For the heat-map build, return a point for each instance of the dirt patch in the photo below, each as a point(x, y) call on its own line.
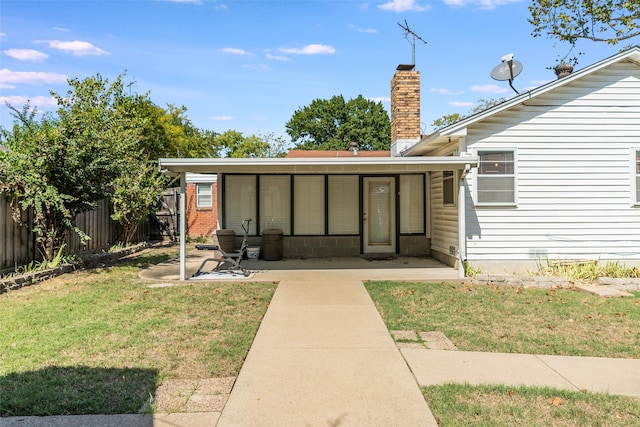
point(434, 340)
point(193, 395)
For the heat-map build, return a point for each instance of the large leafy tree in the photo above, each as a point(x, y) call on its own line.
point(63, 164)
point(235, 145)
point(332, 124)
point(609, 21)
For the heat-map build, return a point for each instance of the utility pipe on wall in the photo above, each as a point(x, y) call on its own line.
point(183, 227)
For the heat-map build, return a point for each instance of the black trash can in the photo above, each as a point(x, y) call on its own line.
point(272, 244)
point(226, 239)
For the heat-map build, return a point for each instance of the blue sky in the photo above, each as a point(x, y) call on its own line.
point(248, 65)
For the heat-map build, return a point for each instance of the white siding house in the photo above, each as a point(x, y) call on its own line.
point(557, 175)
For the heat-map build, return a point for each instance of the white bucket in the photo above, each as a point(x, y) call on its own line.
point(253, 252)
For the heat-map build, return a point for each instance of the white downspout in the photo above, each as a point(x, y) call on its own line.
point(183, 227)
point(462, 222)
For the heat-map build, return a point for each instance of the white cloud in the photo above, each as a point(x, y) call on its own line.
point(444, 91)
point(234, 51)
point(488, 89)
point(62, 29)
point(278, 57)
point(3, 36)
point(8, 78)
point(311, 49)
point(481, 4)
point(537, 83)
point(382, 99)
point(403, 6)
point(363, 30)
point(462, 104)
point(42, 102)
point(26, 54)
point(76, 47)
point(257, 67)
point(221, 118)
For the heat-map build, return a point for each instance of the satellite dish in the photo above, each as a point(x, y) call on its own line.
point(507, 70)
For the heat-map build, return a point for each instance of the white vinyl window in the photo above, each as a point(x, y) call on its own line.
point(240, 202)
point(203, 195)
point(411, 204)
point(275, 202)
point(344, 203)
point(448, 188)
point(308, 209)
point(496, 177)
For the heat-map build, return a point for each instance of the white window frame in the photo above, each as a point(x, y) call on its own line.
point(204, 195)
point(514, 176)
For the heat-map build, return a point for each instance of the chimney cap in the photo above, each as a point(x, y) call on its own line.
point(406, 67)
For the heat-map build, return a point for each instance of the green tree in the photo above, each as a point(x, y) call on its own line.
point(481, 105)
point(182, 137)
point(609, 21)
point(278, 146)
point(135, 195)
point(446, 120)
point(63, 165)
point(235, 145)
point(332, 124)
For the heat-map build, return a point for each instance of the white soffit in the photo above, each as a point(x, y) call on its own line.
point(340, 165)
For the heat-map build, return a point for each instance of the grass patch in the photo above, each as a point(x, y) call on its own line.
point(457, 405)
point(100, 341)
point(513, 320)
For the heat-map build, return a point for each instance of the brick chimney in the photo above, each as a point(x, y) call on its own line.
point(405, 109)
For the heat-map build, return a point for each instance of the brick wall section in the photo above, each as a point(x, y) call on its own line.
point(201, 221)
point(405, 105)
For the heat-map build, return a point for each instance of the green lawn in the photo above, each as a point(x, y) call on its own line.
point(100, 341)
point(517, 320)
point(456, 405)
point(513, 320)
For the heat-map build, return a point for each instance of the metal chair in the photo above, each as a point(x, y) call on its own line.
point(228, 262)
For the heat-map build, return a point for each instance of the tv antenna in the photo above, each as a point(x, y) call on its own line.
point(508, 69)
point(415, 37)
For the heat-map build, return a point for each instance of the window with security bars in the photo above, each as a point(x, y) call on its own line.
point(496, 178)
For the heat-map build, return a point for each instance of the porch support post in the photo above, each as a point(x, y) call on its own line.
point(183, 227)
point(462, 223)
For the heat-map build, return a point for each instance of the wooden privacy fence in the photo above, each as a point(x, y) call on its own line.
point(17, 243)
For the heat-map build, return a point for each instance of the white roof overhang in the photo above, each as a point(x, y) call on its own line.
point(339, 165)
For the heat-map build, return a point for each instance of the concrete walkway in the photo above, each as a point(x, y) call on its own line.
point(323, 357)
